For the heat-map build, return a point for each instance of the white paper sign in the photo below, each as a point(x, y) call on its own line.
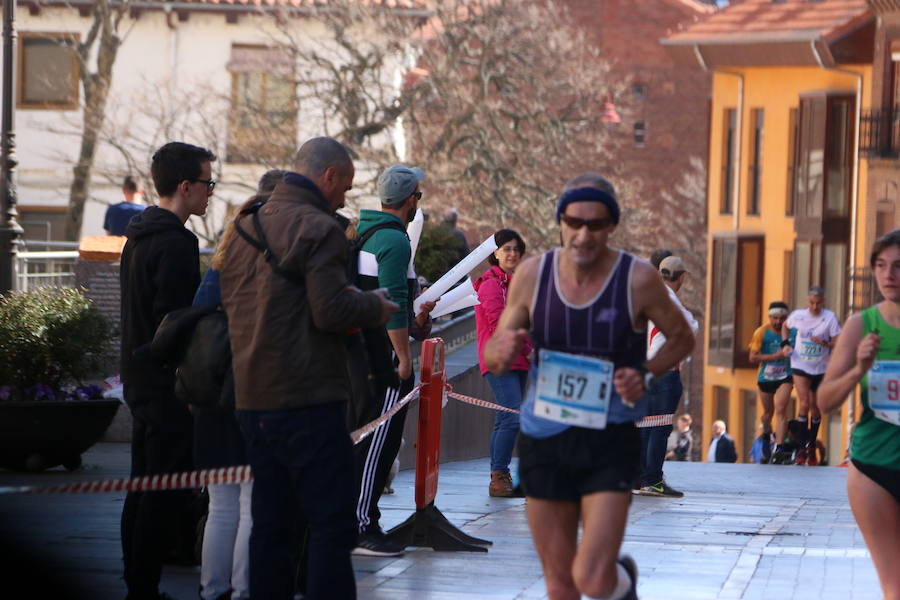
point(453, 296)
point(464, 302)
point(459, 271)
point(414, 231)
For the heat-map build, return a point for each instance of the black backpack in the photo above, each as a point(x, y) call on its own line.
point(195, 341)
point(357, 244)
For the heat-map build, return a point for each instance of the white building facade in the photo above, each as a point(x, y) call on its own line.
point(195, 71)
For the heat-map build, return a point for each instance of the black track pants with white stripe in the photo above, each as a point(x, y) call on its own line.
point(375, 455)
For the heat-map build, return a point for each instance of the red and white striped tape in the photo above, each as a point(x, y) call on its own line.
point(189, 479)
point(148, 483)
point(366, 430)
point(651, 421)
point(242, 474)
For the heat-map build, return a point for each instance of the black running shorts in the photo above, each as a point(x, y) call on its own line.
point(814, 380)
point(580, 461)
point(770, 387)
point(889, 479)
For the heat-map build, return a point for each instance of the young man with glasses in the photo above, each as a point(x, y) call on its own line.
point(585, 307)
point(159, 273)
point(385, 262)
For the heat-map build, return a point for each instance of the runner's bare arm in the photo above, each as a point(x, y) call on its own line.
point(756, 356)
point(844, 369)
point(652, 302)
point(512, 329)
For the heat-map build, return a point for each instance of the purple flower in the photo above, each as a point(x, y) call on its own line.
point(41, 392)
point(5, 392)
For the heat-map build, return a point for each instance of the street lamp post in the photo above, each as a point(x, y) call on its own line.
point(10, 231)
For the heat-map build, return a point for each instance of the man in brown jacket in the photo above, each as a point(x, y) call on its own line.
point(287, 341)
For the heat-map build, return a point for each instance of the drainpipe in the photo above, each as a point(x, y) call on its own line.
point(854, 188)
point(173, 58)
point(739, 126)
point(736, 175)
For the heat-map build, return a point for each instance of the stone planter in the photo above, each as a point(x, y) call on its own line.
point(38, 435)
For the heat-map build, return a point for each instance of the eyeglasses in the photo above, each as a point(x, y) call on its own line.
point(417, 194)
point(591, 224)
point(210, 184)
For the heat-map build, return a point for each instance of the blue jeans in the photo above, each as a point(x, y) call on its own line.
point(662, 399)
point(302, 461)
point(508, 391)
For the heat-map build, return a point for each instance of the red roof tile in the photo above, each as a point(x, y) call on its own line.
point(765, 20)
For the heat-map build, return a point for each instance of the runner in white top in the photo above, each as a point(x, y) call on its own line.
point(817, 330)
point(664, 394)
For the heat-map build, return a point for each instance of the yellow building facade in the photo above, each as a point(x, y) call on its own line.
point(788, 203)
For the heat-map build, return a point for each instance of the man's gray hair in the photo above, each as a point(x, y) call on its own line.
point(816, 291)
point(319, 153)
point(451, 216)
point(594, 180)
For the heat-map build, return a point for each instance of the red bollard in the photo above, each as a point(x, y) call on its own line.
point(428, 439)
point(428, 527)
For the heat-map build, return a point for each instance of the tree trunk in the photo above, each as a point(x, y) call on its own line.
point(103, 32)
point(94, 112)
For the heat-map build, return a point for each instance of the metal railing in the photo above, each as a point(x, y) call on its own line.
point(880, 133)
point(45, 269)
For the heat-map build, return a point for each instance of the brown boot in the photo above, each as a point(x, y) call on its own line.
point(501, 485)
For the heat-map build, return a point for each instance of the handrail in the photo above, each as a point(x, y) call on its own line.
point(48, 254)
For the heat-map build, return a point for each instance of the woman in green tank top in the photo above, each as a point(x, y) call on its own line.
point(868, 354)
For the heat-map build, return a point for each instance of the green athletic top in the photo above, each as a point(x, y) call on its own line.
point(877, 442)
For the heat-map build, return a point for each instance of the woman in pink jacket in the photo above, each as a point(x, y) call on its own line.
point(492, 288)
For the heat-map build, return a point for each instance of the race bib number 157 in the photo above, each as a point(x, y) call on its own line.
point(573, 389)
point(884, 390)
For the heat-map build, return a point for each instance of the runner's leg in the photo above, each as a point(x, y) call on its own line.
point(768, 409)
point(878, 515)
point(782, 397)
point(804, 397)
point(554, 529)
point(604, 515)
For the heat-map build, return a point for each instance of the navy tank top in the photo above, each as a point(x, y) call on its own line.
point(602, 327)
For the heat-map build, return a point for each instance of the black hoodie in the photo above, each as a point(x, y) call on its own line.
point(159, 273)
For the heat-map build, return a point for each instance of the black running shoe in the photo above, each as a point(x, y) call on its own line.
point(660, 489)
point(630, 566)
point(376, 543)
point(779, 455)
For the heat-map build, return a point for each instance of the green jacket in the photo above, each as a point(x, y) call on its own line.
point(384, 261)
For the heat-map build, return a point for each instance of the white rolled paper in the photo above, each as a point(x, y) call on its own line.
point(464, 302)
point(451, 297)
point(414, 230)
point(459, 271)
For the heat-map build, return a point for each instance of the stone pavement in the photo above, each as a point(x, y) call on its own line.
point(741, 531)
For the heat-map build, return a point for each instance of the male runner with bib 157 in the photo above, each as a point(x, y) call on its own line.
point(868, 353)
point(587, 307)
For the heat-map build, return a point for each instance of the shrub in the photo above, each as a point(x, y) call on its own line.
point(437, 253)
point(50, 338)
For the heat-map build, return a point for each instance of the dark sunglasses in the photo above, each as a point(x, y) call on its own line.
point(210, 183)
point(591, 224)
point(417, 195)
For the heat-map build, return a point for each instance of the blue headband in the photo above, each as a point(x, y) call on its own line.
point(588, 194)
